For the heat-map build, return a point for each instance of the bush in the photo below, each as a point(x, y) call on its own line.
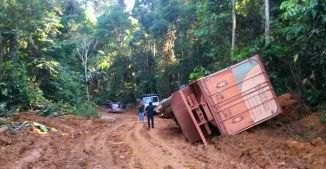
point(86, 110)
point(79, 109)
point(322, 108)
point(17, 90)
point(60, 108)
point(50, 109)
point(323, 118)
point(198, 73)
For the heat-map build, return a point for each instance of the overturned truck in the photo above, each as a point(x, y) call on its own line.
point(232, 100)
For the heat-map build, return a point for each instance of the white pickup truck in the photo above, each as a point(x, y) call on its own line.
point(146, 99)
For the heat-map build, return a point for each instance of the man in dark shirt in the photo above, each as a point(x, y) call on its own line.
point(150, 114)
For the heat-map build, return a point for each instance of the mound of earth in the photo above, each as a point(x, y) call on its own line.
point(295, 139)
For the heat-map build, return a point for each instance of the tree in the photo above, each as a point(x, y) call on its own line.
point(53, 52)
point(234, 25)
point(267, 23)
point(83, 50)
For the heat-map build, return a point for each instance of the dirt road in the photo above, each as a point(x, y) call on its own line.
point(116, 141)
point(119, 141)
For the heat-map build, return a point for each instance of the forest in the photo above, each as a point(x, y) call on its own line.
point(71, 55)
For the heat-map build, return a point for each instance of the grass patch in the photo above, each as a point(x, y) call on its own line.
point(323, 118)
point(86, 110)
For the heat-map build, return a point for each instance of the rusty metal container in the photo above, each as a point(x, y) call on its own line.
point(189, 115)
point(234, 99)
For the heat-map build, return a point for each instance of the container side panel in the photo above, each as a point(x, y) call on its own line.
point(257, 101)
point(238, 123)
point(219, 81)
point(240, 96)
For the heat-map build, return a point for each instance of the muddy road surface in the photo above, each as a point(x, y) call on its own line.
point(113, 142)
point(119, 141)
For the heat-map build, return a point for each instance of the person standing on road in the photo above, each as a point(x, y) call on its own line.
point(141, 109)
point(150, 114)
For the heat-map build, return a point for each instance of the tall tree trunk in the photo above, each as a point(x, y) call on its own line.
point(86, 81)
point(154, 50)
point(83, 52)
point(234, 21)
point(267, 23)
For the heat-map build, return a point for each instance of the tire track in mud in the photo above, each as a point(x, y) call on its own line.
point(150, 152)
point(183, 151)
point(104, 149)
point(189, 159)
point(193, 155)
point(96, 147)
point(142, 154)
point(120, 151)
point(132, 145)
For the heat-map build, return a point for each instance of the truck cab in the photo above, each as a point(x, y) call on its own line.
point(146, 99)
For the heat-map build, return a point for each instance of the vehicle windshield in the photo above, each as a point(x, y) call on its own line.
point(153, 99)
point(146, 100)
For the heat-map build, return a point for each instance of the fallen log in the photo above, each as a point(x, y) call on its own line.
point(164, 108)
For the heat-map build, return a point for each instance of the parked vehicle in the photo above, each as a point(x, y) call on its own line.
point(233, 100)
point(147, 98)
point(115, 107)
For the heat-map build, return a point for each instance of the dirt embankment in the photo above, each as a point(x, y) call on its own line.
point(295, 139)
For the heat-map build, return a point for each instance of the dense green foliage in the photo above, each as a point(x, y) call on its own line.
point(56, 55)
